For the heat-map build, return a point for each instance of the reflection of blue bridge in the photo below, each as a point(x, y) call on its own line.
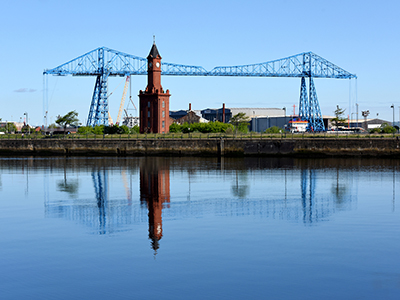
point(107, 216)
point(103, 62)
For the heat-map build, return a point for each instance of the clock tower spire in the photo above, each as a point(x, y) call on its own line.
point(154, 101)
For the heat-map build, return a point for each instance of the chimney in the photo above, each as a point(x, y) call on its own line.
point(223, 112)
point(190, 106)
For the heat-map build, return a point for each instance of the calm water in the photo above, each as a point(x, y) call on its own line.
point(189, 228)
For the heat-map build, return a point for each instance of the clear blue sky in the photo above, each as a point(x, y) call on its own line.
point(362, 37)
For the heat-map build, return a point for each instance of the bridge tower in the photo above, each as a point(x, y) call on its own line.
point(154, 102)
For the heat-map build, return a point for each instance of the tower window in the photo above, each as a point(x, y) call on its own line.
point(163, 114)
point(148, 104)
point(148, 114)
point(163, 104)
point(163, 124)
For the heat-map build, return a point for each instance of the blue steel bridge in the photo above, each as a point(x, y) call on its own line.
point(104, 62)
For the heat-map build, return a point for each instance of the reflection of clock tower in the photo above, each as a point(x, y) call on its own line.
point(154, 102)
point(155, 192)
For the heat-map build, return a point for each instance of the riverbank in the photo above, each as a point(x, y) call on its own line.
point(301, 147)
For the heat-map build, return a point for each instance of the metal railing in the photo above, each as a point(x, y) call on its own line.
point(196, 135)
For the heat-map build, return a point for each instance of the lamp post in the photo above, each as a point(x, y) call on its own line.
point(357, 113)
point(351, 119)
point(392, 107)
point(27, 122)
point(284, 126)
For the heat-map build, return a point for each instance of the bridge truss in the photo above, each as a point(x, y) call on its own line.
point(104, 62)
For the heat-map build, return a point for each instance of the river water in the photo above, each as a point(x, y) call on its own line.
point(199, 228)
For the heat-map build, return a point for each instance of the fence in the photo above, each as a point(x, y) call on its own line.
point(251, 135)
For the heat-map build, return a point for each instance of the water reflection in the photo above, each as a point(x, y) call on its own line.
point(100, 182)
point(110, 195)
point(240, 188)
point(155, 193)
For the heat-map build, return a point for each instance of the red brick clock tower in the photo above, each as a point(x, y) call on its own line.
point(154, 102)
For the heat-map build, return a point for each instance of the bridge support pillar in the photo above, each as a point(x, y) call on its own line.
point(309, 106)
point(98, 113)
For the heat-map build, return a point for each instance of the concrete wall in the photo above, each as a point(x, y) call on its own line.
point(206, 147)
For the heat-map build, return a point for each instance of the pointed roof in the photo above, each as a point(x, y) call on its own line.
point(154, 52)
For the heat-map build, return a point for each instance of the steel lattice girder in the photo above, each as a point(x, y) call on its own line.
point(98, 113)
point(118, 63)
point(309, 109)
point(303, 103)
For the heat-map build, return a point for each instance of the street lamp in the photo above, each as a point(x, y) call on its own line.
point(393, 114)
point(357, 114)
point(351, 119)
point(27, 122)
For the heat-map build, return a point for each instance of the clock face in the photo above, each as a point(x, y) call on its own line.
point(157, 64)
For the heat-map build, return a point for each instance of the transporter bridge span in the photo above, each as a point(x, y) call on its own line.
point(104, 62)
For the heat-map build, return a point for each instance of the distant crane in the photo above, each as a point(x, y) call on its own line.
point(121, 106)
point(110, 120)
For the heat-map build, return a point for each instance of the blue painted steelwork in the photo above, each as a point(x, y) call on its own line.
point(315, 120)
point(104, 62)
point(305, 64)
point(309, 109)
point(98, 113)
point(303, 102)
point(100, 182)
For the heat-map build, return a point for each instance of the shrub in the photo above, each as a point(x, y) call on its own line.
point(175, 128)
point(135, 129)
point(85, 129)
point(210, 127)
point(98, 129)
point(273, 129)
point(388, 129)
point(124, 129)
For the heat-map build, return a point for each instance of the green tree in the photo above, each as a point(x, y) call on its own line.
point(135, 129)
point(85, 129)
point(175, 128)
point(9, 128)
point(98, 129)
point(338, 119)
point(25, 129)
point(124, 129)
point(241, 122)
point(70, 118)
point(273, 129)
point(386, 128)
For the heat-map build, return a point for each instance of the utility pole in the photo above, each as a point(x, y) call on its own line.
point(357, 113)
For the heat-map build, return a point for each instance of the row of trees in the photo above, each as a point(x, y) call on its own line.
point(238, 123)
point(211, 127)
